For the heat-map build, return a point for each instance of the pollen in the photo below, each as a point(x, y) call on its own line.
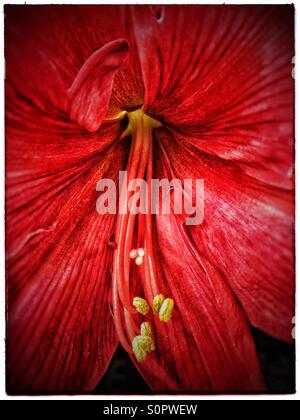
point(143, 342)
point(141, 305)
point(146, 329)
point(141, 345)
point(136, 258)
point(166, 310)
point(133, 254)
point(157, 303)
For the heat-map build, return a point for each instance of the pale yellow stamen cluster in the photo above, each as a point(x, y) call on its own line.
point(143, 344)
point(137, 255)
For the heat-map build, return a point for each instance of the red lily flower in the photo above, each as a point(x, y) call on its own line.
point(208, 94)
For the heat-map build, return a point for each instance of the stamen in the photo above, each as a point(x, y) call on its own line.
point(146, 331)
point(141, 305)
point(131, 227)
point(166, 310)
point(157, 303)
point(132, 328)
point(151, 271)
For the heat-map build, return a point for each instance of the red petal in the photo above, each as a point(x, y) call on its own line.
point(91, 90)
point(46, 46)
point(222, 74)
point(60, 332)
point(207, 345)
point(247, 234)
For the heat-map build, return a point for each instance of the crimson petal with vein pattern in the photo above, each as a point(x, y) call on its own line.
point(247, 233)
point(222, 76)
point(46, 46)
point(61, 332)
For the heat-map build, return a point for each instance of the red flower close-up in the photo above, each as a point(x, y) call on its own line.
point(159, 92)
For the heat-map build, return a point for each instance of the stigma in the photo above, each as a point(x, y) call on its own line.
point(137, 255)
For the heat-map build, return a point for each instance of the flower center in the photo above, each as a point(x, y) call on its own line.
point(127, 308)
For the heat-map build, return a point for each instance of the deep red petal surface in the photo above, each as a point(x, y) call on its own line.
point(223, 76)
point(46, 46)
point(247, 234)
point(60, 330)
point(220, 79)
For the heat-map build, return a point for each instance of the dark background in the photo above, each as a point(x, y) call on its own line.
point(277, 360)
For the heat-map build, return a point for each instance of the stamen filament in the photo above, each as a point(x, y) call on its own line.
point(131, 326)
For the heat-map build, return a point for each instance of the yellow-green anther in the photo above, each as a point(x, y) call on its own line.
point(140, 354)
point(141, 305)
point(146, 329)
point(166, 310)
point(157, 302)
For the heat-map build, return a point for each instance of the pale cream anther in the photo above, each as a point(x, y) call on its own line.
point(141, 252)
point(133, 254)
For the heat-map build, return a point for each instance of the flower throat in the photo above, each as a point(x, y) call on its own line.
point(137, 335)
